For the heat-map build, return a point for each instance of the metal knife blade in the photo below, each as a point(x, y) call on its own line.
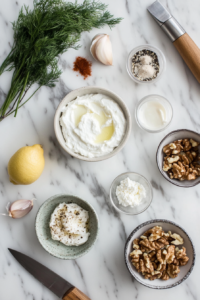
point(166, 21)
point(159, 12)
point(48, 278)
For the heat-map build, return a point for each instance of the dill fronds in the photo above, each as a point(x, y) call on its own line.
point(40, 36)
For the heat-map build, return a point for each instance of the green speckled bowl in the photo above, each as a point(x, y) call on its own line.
point(56, 248)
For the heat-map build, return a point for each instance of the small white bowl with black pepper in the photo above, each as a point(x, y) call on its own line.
point(146, 64)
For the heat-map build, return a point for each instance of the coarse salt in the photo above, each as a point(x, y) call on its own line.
point(146, 71)
point(145, 65)
point(145, 60)
point(130, 193)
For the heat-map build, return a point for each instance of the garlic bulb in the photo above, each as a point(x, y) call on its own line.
point(101, 49)
point(20, 208)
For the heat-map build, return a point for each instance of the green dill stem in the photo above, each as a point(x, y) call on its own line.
point(15, 75)
point(25, 101)
point(11, 96)
point(6, 62)
point(14, 89)
point(19, 99)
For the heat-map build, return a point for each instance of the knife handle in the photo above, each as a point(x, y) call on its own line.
point(190, 53)
point(75, 294)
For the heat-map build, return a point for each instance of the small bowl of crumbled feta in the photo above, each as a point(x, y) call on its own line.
point(66, 226)
point(131, 193)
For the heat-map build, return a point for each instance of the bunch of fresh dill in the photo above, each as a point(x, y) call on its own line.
point(40, 36)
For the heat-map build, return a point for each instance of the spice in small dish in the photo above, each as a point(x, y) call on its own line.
point(130, 193)
point(145, 65)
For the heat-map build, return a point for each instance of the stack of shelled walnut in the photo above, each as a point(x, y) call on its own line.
point(155, 255)
point(181, 159)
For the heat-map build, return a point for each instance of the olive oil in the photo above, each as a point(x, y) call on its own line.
point(105, 135)
point(106, 131)
point(78, 113)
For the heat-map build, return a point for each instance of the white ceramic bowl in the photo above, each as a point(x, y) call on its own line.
point(185, 271)
point(91, 90)
point(161, 59)
point(128, 210)
point(169, 138)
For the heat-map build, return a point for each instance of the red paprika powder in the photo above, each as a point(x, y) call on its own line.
point(83, 66)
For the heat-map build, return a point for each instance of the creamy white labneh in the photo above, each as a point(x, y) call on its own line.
point(69, 224)
point(92, 125)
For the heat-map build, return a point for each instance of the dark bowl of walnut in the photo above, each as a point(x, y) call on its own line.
point(159, 254)
point(178, 158)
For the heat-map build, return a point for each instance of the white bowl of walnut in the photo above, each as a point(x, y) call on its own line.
point(178, 158)
point(159, 254)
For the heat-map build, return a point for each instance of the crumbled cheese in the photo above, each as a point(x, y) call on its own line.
point(130, 193)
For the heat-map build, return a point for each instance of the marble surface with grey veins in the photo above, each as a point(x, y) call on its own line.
point(101, 274)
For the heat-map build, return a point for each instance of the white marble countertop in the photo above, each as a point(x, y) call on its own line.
point(102, 273)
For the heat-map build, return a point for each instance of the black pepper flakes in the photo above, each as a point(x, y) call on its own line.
point(136, 64)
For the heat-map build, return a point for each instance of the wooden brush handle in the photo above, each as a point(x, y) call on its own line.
point(190, 53)
point(75, 294)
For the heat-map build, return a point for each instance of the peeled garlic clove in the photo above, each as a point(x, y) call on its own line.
point(20, 208)
point(101, 49)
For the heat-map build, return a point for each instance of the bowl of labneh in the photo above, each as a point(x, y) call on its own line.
point(66, 226)
point(92, 123)
point(159, 254)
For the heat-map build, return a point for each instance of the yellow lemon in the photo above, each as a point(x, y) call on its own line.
point(26, 165)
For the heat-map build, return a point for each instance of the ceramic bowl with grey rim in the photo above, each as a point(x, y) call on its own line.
point(43, 233)
point(169, 138)
point(185, 271)
point(84, 91)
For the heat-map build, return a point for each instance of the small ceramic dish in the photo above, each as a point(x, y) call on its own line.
point(161, 59)
point(169, 138)
point(56, 248)
point(160, 100)
point(185, 271)
point(78, 93)
point(128, 209)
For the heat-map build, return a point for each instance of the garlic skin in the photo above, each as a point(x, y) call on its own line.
point(101, 49)
point(92, 47)
point(20, 208)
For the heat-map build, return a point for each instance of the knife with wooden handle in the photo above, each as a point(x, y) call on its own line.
point(58, 285)
point(181, 40)
point(75, 294)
